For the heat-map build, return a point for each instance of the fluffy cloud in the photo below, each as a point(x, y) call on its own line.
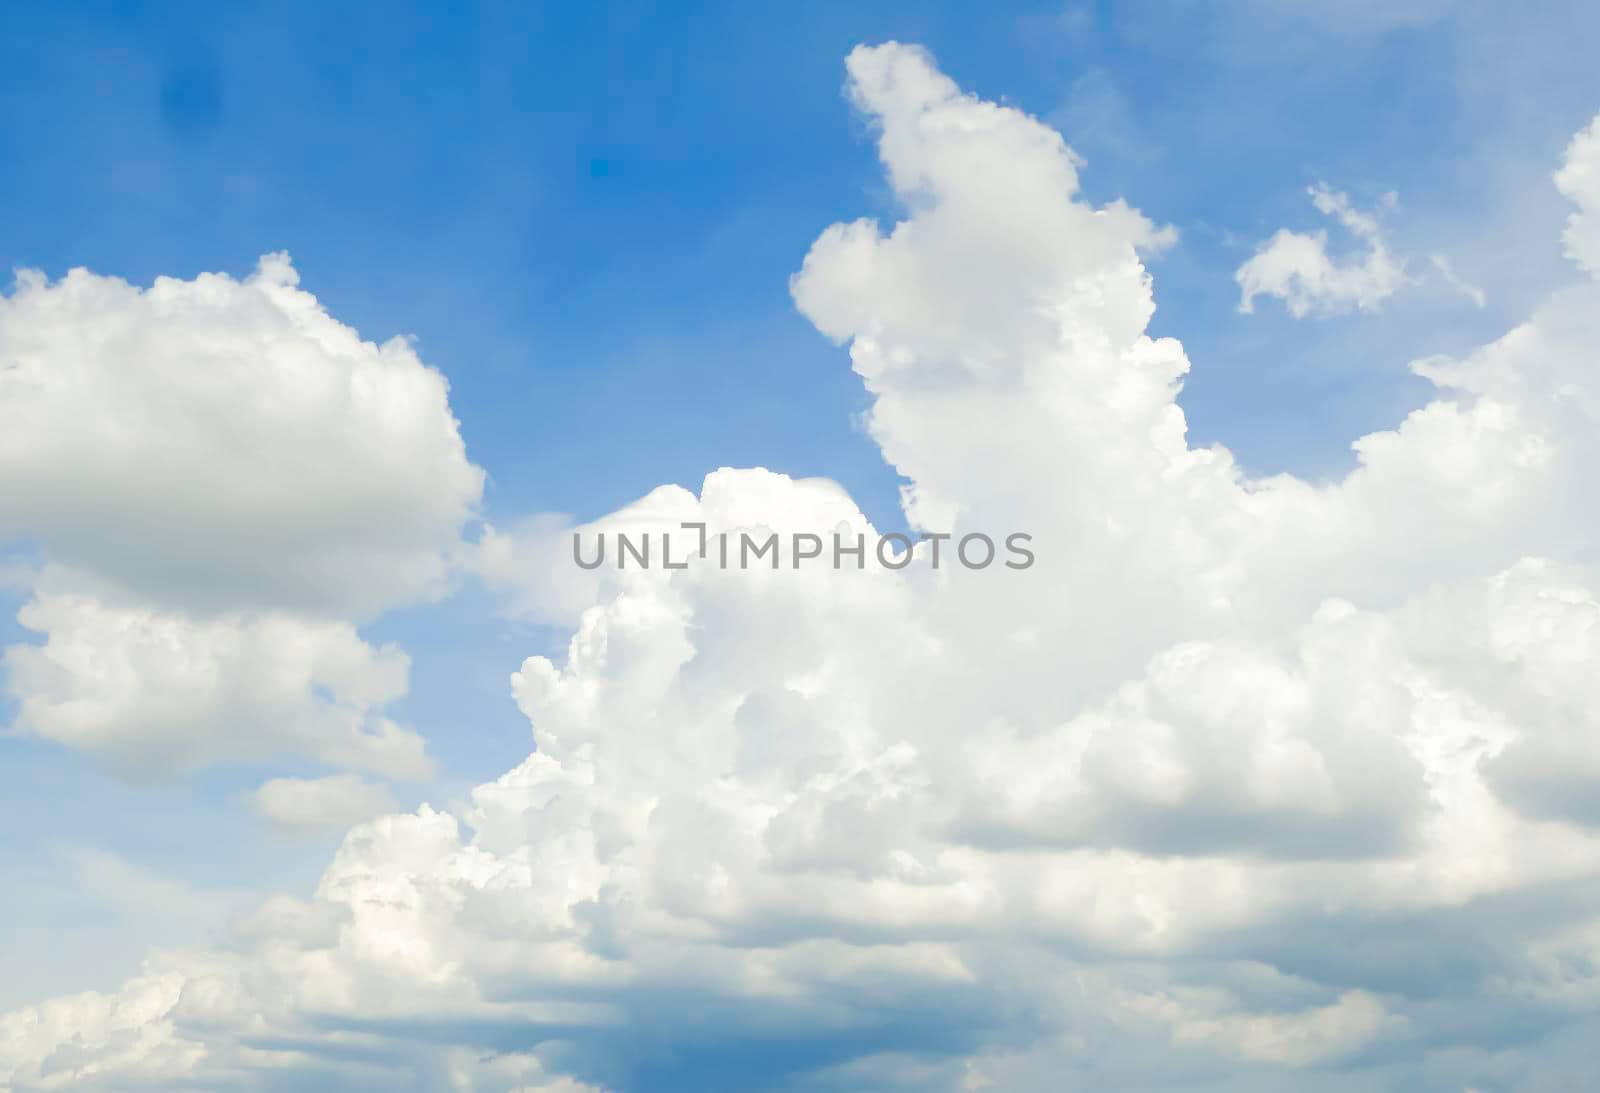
point(224, 481)
point(1296, 268)
point(151, 693)
point(1248, 783)
point(1579, 181)
point(225, 444)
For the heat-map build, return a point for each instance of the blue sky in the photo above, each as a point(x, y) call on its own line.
point(587, 216)
point(567, 203)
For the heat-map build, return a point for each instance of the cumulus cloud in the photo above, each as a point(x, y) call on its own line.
point(1579, 181)
point(223, 443)
point(1246, 784)
point(151, 693)
point(1293, 1038)
point(1296, 267)
point(223, 481)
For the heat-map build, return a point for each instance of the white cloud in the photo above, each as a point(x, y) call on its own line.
point(311, 804)
point(1292, 1038)
point(223, 481)
point(150, 692)
point(220, 444)
point(1447, 271)
point(1245, 784)
point(1579, 181)
point(1296, 268)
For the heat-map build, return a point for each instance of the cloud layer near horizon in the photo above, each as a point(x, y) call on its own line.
point(1249, 783)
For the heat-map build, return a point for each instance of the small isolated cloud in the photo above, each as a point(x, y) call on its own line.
point(317, 804)
point(1296, 267)
point(1447, 271)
